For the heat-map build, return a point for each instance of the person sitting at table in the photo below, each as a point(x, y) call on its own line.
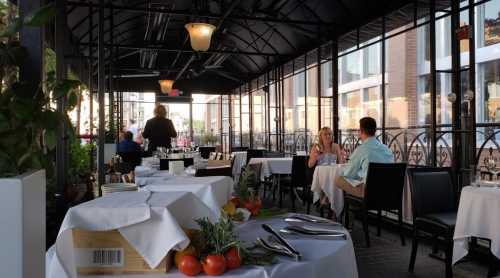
point(159, 130)
point(129, 151)
point(326, 151)
point(352, 178)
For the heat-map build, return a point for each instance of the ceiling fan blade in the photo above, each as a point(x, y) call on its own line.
point(213, 67)
point(227, 75)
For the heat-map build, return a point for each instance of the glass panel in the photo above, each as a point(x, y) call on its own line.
point(350, 69)
point(259, 119)
point(179, 114)
point(206, 119)
point(245, 121)
point(236, 129)
point(326, 79)
point(312, 103)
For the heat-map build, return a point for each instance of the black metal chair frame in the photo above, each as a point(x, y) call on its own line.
point(378, 198)
point(436, 228)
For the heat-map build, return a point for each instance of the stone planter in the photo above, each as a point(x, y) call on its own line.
point(22, 228)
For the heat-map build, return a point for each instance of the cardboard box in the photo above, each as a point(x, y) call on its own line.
point(107, 252)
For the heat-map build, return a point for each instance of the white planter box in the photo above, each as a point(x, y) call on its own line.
point(22, 228)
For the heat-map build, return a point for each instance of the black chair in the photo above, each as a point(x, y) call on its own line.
point(219, 171)
point(165, 161)
point(205, 151)
point(297, 180)
point(308, 195)
point(383, 192)
point(129, 161)
point(434, 209)
point(257, 168)
point(253, 153)
point(239, 149)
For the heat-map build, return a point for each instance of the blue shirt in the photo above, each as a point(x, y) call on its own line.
point(370, 151)
point(127, 146)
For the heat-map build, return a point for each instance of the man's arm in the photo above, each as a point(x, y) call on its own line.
point(352, 168)
point(171, 129)
point(147, 130)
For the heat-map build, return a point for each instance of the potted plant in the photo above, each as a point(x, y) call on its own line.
point(28, 128)
point(209, 139)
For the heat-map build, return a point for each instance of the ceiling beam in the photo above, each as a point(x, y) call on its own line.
point(209, 16)
point(164, 48)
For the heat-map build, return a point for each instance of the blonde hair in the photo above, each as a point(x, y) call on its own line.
point(160, 111)
point(320, 139)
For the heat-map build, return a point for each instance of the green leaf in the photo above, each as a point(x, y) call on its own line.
point(51, 139)
point(64, 87)
point(72, 100)
point(12, 28)
point(49, 119)
point(4, 122)
point(41, 16)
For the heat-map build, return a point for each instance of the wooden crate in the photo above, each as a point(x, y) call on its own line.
point(107, 252)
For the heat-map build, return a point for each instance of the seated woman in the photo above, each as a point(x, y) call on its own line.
point(326, 151)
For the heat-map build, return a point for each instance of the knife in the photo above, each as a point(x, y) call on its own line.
point(297, 235)
point(302, 230)
point(270, 230)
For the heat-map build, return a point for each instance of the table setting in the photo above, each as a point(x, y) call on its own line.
point(477, 216)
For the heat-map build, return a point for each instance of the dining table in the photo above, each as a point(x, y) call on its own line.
point(214, 191)
point(273, 166)
point(477, 216)
point(323, 183)
point(332, 258)
point(140, 217)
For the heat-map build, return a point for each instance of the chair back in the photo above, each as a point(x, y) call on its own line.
point(129, 161)
point(239, 149)
point(431, 190)
point(384, 186)
point(253, 153)
point(274, 154)
point(205, 151)
point(257, 168)
point(212, 156)
point(299, 170)
point(221, 171)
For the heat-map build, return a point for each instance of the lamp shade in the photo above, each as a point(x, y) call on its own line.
point(166, 85)
point(200, 35)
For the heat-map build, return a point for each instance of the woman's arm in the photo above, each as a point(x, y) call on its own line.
point(171, 129)
point(313, 157)
point(338, 152)
point(147, 130)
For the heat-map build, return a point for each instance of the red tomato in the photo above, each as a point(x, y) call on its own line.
point(214, 265)
point(233, 259)
point(236, 201)
point(249, 205)
point(189, 265)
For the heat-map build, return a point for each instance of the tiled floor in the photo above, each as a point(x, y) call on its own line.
point(386, 258)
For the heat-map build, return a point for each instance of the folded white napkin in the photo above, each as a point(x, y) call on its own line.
point(144, 171)
point(151, 222)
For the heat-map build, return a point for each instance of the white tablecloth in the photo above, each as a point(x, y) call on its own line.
point(478, 216)
point(321, 258)
point(240, 160)
point(324, 181)
point(214, 191)
point(143, 218)
point(273, 165)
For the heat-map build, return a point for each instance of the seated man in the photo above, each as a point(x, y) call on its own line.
point(352, 178)
point(127, 145)
point(130, 152)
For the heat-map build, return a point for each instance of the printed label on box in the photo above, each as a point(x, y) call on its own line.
point(99, 257)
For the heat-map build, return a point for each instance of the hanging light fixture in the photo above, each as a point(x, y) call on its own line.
point(200, 35)
point(166, 85)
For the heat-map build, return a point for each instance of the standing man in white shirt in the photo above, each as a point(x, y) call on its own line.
point(133, 128)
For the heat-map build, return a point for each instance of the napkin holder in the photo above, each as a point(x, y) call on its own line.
point(108, 253)
point(176, 167)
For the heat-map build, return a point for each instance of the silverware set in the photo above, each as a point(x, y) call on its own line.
point(300, 226)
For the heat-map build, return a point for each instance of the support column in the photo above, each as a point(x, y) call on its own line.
point(458, 154)
point(382, 88)
point(432, 81)
point(472, 86)
point(100, 92)
point(335, 91)
point(32, 39)
point(62, 155)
